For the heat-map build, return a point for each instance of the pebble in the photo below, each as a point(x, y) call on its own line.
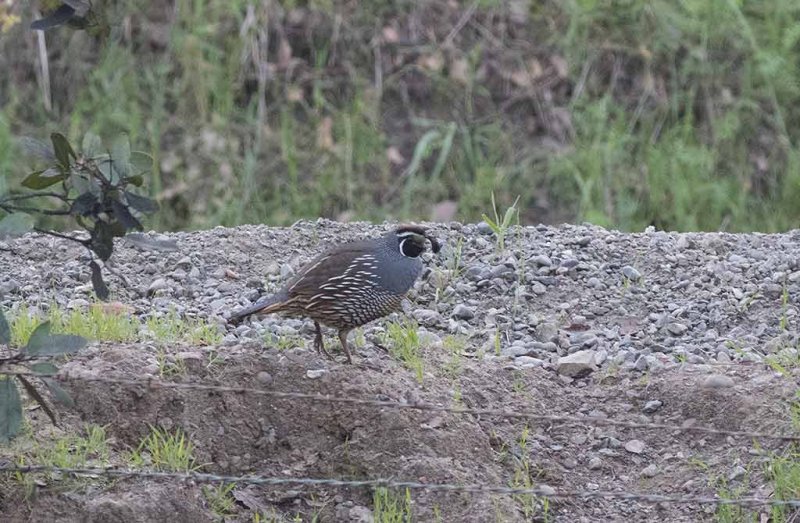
point(159, 284)
point(718, 381)
point(484, 228)
point(462, 312)
point(595, 463)
point(652, 406)
point(315, 373)
point(264, 377)
point(542, 261)
point(677, 329)
point(635, 446)
point(631, 273)
point(577, 364)
point(650, 471)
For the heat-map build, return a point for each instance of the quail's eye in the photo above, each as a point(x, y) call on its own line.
point(411, 248)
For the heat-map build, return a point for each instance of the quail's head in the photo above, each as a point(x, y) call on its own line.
point(412, 240)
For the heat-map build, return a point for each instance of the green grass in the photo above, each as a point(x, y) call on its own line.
point(683, 115)
point(106, 324)
point(404, 345)
point(75, 451)
point(523, 477)
point(220, 499)
point(164, 450)
point(782, 472)
point(391, 507)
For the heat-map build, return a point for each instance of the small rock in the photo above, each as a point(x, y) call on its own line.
point(635, 446)
point(677, 329)
point(484, 228)
point(538, 289)
point(650, 471)
point(315, 373)
point(737, 472)
point(264, 377)
point(652, 406)
point(718, 381)
point(528, 361)
point(158, 284)
point(595, 463)
point(286, 271)
point(426, 316)
point(631, 273)
point(542, 261)
point(462, 312)
point(577, 364)
point(641, 363)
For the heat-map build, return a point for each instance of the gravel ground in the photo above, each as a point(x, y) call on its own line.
point(573, 320)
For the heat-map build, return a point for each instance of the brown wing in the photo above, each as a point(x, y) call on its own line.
point(324, 267)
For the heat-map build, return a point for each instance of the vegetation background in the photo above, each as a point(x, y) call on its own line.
point(626, 113)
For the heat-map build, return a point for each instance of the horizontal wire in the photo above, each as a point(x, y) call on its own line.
point(542, 491)
point(155, 384)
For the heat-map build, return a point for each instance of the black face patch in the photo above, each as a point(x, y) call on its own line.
point(412, 246)
point(406, 230)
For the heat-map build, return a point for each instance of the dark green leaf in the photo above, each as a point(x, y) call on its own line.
point(42, 343)
point(61, 15)
point(59, 394)
point(125, 217)
point(141, 162)
point(36, 148)
point(140, 203)
point(5, 330)
point(92, 145)
point(15, 224)
point(44, 367)
point(121, 155)
point(100, 287)
point(33, 393)
point(84, 205)
point(102, 240)
point(106, 167)
point(43, 179)
point(136, 179)
point(10, 409)
point(62, 149)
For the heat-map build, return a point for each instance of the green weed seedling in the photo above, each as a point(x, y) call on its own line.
point(404, 345)
point(500, 227)
point(220, 499)
point(388, 507)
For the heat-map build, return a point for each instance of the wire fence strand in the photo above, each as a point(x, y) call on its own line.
point(156, 384)
point(541, 491)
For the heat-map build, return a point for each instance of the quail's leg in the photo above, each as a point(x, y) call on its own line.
point(318, 343)
point(343, 338)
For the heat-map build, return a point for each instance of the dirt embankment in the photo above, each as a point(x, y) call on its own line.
point(660, 329)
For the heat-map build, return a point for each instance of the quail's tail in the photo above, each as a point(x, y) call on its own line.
point(265, 305)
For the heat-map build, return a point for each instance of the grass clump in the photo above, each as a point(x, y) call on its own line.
point(404, 345)
point(171, 327)
point(220, 499)
point(90, 448)
point(389, 507)
point(164, 450)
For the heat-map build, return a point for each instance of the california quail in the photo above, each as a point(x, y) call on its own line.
point(352, 284)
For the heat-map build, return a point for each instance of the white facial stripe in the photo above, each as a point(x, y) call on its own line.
point(404, 240)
